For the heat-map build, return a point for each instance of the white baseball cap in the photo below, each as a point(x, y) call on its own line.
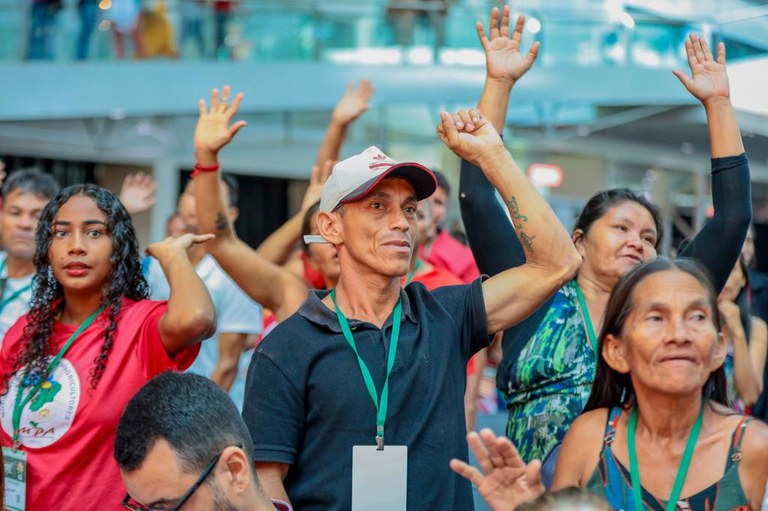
point(353, 178)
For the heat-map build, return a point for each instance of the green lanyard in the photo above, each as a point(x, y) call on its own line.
point(416, 268)
point(682, 471)
point(587, 319)
point(15, 294)
point(21, 400)
point(380, 404)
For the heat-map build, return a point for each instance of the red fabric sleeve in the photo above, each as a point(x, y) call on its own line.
point(151, 351)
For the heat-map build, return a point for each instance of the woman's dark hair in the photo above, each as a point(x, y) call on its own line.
point(612, 388)
point(124, 280)
point(306, 224)
point(600, 203)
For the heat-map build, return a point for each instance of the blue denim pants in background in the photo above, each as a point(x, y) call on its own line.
point(41, 31)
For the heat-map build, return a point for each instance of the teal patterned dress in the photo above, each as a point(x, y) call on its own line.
point(548, 364)
point(551, 381)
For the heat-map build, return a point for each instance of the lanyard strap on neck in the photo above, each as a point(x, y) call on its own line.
point(380, 403)
point(21, 400)
point(682, 471)
point(416, 268)
point(587, 320)
point(15, 294)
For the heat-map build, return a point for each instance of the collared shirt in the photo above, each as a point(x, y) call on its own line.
point(236, 313)
point(306, 404)
point(17, 307)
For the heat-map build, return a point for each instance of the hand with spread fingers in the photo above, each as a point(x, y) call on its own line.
point(709, 79)
point(468, 134)
point(503, 58)
point(213, 129)
point(354, 102)
point(138, 193)
point(505, 481)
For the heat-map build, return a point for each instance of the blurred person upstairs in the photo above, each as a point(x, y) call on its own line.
point(223, 13)
point(88, 11)
point(42, 29)
point(405, 14)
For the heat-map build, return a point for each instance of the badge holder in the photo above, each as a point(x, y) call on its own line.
point(15, 479)
point(379, 478)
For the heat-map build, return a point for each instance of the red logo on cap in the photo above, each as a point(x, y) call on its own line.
point(379, 161)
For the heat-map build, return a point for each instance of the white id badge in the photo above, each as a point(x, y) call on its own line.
point(379, 478)
point(15, 479)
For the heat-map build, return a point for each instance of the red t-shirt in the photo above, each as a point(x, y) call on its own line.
point(70, 436)
point(447, 252)
point(436, 278)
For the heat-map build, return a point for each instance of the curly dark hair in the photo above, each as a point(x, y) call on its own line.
point(124, 280)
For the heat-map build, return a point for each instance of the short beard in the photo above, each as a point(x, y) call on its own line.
point(220, 500)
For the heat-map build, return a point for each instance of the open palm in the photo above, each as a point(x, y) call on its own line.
point(213, 129)
point(354, 102)
point(709, 79)
point(504, 60)
point(505, 480)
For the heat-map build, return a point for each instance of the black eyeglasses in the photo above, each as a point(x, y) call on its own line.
point(131, 505)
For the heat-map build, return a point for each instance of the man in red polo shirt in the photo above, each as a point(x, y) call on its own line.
point(443, 250)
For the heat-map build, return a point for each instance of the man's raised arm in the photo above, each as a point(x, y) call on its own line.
point(266, 283)
point(551, 259)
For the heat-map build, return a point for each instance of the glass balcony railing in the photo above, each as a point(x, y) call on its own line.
point(377, 32)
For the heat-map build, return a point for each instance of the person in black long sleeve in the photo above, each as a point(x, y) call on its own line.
point(549, 359)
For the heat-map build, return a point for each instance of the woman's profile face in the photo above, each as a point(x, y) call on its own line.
point(669, 343)
point(80, 246)
point(618, 241)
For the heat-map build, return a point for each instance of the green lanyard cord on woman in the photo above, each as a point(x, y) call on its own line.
point(21, 400)
point(380, 404)
point(587, 320)
point(682, 471)
point(15, 294)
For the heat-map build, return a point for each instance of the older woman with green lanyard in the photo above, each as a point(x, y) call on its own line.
point(548, 363)
point(657, 432)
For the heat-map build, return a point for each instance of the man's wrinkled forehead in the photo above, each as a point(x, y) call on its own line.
point(384, 190)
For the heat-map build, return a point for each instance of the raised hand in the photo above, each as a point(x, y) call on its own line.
point(503, 58)
point(138, 193)
point(469, 135)
point(353, 103)
point(709, 79)
point(317, 180)
point(213, 129)
point(730, 315)
point(166, 248)
point(505, 481)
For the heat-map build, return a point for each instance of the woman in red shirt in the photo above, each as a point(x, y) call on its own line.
point(90, 340)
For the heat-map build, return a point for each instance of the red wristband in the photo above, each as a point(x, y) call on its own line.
point(200, 168)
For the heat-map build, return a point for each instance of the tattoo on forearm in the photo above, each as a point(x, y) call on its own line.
point(221, 222)
point(515, 211)
point(518, 219)
point(526, 240)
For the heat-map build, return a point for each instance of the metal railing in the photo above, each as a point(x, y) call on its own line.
point(360, 31)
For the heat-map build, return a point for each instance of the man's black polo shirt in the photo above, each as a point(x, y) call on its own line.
point(306, 403)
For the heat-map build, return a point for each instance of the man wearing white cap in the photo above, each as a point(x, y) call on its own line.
point(356, 400)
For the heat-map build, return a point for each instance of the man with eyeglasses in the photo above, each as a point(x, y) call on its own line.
point(181, 445)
